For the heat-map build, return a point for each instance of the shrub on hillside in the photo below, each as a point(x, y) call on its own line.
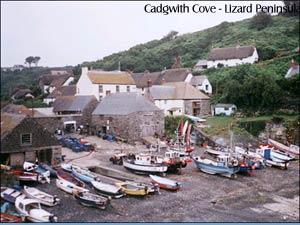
point(260, 21)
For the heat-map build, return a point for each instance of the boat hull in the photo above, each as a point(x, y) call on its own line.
point(114, 192)
point(155, 168)
point(132, 191)
point(212, 169)
point(42, 197)
point(164, 183)
point(91, 200)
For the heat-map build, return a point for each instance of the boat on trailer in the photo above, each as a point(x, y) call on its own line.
point(165, 183)
point(44, 198)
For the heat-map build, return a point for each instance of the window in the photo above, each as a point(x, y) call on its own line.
point(226, 108)
point(128, 88)
point(100, 97)
point(26, 139)
point(117, 88)
point(165, 101)
point(100, 88)
point(77, 90)
point(107, 92)
point(206, 87)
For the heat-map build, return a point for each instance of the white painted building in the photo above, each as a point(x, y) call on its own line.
point(202, 84)
point(102, 83)
point(179, 98)
point(226, 109)
point(232, 56)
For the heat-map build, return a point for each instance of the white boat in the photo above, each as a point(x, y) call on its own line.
point(292, 149)
point(67, 167)
point(29, 167)
point(145, 163)
point(68, 186)
point(42, 197)
point(32, 210)
point(10, 194)
point(107, 189)
point(84, 174)
point(274, 153)
point(271, 160)
point(165, 183)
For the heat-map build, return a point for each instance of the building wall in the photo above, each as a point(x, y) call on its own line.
point(202, 87)
point(204, 107)
point(85, 86)
point(131, 127)
point(233, 62)
point(166, 105)
point(112, 89)
point(228, 112)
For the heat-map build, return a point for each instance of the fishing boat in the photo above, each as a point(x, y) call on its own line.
point(132, 188)
point(292, 149)
point(88, 199)
point(68, 186)
point(176, 160)
point(42, 197)
point(84, 174)
point(222, 164)
point(11, 194)
point(49, 168)
point(61, 175)
point(32, 210)
point(258, 160)
point(165, 183)
point(145, 163)
point(107, 189)
point(29, 176)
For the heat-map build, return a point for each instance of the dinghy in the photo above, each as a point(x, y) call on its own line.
point(107, 189)
point(44, 198)
point(132, 188)
point(48, 168)
point(9, 215)
point(292, 149)
point(88, 199)
point(11, 194)
point(84, 174)
point(68, 186)
point(66, 167)
point(28, 176)
point(165, 183)
point(69, 178)
point(32, 210)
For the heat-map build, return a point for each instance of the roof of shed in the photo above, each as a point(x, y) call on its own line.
point(9, 122)
point(124, 104)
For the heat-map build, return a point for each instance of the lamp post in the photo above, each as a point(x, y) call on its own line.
point(27, 96)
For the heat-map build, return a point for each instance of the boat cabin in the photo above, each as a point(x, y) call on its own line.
point(147, 159)
point(223, 160)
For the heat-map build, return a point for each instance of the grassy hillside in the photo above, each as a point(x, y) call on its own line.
point(281, 35)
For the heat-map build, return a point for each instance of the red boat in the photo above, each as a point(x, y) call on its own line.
point(165, 183)
point(69, 177)
point(29, 176)
point(8, 218)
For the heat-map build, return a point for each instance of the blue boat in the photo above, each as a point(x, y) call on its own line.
point(222, 164)
point(84, 174)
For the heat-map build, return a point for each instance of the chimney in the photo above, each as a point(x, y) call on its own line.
point(84, 71)
point(149, 83)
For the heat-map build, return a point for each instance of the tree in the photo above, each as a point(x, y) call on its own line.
point(260, 21)
point(29, 60)
point(36, 60)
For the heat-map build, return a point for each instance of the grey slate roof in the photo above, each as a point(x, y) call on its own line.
point(158, 78)
point(238, 52)
point(68, 90)
point(72, 103)
point(124, 104)
point(197, 80)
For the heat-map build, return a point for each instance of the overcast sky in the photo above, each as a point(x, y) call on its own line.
point(69, 33)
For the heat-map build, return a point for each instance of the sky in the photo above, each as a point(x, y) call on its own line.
point(69, 33)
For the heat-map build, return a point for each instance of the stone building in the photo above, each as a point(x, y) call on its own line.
point(129, 116)
point(23, 139)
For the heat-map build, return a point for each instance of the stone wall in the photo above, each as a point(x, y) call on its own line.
point(131, 127)
point(205, 108)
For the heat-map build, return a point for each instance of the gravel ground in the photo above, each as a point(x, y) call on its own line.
point(271, 195)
